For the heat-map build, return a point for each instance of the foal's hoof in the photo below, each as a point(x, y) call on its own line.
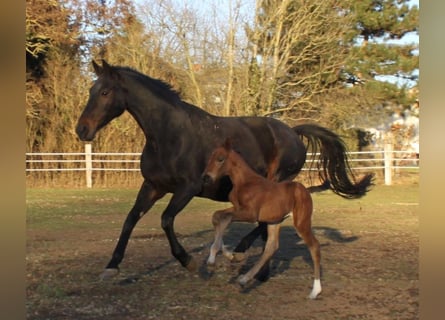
point(109, 273)
point(211, 261)
point(313, 295)
point(228, 254)
point(243, 280)
point(238, 256)
point(192, 266)
point(316, 290)
point(211, 266)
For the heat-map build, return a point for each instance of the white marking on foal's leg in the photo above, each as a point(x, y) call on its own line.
point(211, 260)
point(212, 256)
point(316, 289)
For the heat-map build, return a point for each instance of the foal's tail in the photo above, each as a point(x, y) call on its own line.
point(333, 163)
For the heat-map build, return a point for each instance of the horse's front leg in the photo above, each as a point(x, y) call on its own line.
point(220, 219)
point(146, 197)
point(248, 240)
point(178, 201)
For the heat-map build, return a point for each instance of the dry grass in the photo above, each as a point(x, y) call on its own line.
point(369, 256)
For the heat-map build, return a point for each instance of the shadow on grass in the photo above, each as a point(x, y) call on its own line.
point(291, 247)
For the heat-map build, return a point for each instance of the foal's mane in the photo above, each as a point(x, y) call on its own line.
point(162, 89)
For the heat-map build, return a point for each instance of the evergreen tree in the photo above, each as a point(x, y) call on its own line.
point(312, 53)
point(376, 57)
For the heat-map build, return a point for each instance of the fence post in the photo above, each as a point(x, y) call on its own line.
point(388, 155)
point(88, 165)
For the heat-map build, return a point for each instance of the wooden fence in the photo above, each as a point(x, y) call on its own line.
point(388, 160)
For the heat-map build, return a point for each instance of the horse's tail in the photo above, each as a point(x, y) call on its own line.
point(332, 161)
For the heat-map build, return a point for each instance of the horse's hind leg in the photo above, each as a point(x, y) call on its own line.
point(178, 201)
point(146, 197)
point(221, 219)
point(273, 233)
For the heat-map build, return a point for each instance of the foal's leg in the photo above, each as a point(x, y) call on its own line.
point(302, 215)
point(221, 219)
point(314, 249)
point(247, 241)
point(273, 232)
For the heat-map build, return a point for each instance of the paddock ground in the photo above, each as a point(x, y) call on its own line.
point(370, 261)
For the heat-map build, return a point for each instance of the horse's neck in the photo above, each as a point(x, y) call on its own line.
point(239, 171)
point(153, 114)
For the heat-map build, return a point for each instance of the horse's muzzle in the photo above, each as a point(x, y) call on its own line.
point(84, 133)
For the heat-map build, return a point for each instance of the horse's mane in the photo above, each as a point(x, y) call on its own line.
point(159, 87)
point(162, 89)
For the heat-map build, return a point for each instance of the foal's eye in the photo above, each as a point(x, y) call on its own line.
point(220, 159)
point(104, 92)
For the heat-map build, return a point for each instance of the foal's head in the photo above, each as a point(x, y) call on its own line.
point(217, 165)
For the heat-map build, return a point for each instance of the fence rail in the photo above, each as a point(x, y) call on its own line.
point(387, 160)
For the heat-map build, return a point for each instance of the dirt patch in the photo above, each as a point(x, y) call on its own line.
point(369, 261)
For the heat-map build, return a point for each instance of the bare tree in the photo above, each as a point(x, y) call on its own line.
point(298, 50)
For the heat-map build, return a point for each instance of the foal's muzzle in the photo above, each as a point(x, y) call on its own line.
point(207, 179)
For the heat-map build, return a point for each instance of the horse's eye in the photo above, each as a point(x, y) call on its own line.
point(104, 92)
point(220, 159)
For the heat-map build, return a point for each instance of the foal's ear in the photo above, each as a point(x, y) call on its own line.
point(228, 144)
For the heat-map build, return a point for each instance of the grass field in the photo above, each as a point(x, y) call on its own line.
point(369, 256)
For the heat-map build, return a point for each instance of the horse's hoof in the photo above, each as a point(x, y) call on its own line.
point(192, 266)
point(109, 273)
point(238, 256)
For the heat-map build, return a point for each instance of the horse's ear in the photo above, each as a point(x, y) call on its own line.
point(97, 68)
point(106, 67)
point(108, 70)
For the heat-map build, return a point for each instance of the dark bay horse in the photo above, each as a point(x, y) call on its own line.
point(179, 140)
point(257, 199)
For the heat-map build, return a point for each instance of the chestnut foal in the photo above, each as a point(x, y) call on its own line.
point(256, 198)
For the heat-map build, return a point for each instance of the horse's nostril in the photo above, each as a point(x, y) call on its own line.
point(81, 129)
point(84, 133)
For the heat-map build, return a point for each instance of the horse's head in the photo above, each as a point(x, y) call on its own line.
point(106, 102)
point(217, 164)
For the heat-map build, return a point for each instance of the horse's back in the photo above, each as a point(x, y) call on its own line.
point(282, 152)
